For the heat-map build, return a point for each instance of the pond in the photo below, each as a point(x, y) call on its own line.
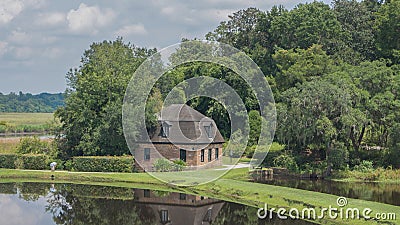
point(44, 203)
point(378, 192)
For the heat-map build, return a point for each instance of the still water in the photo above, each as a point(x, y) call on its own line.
point(44, 204)
point(378, 192)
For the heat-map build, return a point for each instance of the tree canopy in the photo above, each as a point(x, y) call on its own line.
point(334, 71)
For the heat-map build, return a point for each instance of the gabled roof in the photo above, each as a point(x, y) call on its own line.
point(186, 113)
point(191, 123)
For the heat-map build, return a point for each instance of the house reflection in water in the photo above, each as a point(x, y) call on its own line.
point(176, 208)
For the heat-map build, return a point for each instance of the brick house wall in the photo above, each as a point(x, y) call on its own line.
point(172, 152)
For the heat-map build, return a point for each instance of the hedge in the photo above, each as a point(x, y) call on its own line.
point(7, 160)
point(103, 164)
point(34, 162)
point(24, 161)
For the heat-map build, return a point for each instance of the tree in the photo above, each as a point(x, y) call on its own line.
point(357, 24)
point(308, 24)
point(299, 65)
point(388, 30)
point(91, 117)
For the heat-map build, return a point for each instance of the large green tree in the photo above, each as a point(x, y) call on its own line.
point(388, 30)
point(91, 117)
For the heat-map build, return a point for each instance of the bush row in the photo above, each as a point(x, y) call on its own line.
point(24, 161)
point(84, 163)
point(102, 164)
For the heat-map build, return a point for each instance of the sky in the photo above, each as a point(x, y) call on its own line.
point(40, 40)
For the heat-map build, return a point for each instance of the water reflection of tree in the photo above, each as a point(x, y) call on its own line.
point(68, 208)
point(31, 191)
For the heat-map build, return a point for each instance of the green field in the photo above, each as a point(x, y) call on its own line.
point(26, 122)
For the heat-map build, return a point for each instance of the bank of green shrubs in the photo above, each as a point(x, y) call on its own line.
point(102, 164)
point(84, 164)
point(24, 161)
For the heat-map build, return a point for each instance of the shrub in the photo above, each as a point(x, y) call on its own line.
point(286, 161)
point(179, 165)
point(68, 165)
point(103, 164)
point(34, 161)
point(7, 161)
point(32, 145)
point(162, 165)
point(364, 166)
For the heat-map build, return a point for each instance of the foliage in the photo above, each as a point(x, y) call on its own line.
point(364, 166)
point(334, 73)
point(103, 164)
point(28, 103)
point(179, 165)
point(162, 165)
point(32, 145)
point(91, 118)
point(338, 155)
point(33, 162)
point(286, 161)
point(7, 160)
point(387, 30)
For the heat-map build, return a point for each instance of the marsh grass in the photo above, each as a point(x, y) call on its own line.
point(9, 145)
point(27, 122)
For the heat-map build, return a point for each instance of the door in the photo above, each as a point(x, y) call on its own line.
point(182, 155)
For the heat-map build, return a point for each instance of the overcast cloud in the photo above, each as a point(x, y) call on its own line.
point(41, 39)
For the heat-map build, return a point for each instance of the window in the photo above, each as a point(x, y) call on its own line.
point(209, 130)
point(165, 129)
point(182, 196)
point(146, 154)
point(209, 154)
point(164, 216)
point(146, 193)
point(182, 155)
point(216, 153)
point(202, 155)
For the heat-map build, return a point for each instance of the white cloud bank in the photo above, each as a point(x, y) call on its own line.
point(89, 19)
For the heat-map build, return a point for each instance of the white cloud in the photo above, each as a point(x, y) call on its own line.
point(52, 52)
point(48, 39)
point(3, 47)
point(88, 19)
point(132, 29)
point(50, 19)
point(22, 53)
point(19, 37)
point(9, 9)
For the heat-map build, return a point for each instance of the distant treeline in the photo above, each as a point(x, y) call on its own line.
point(21, 102)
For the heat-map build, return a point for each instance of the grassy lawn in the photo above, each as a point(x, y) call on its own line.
point(232, 187)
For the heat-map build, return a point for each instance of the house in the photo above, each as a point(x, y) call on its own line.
point(176, 208)
point(182, 133)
